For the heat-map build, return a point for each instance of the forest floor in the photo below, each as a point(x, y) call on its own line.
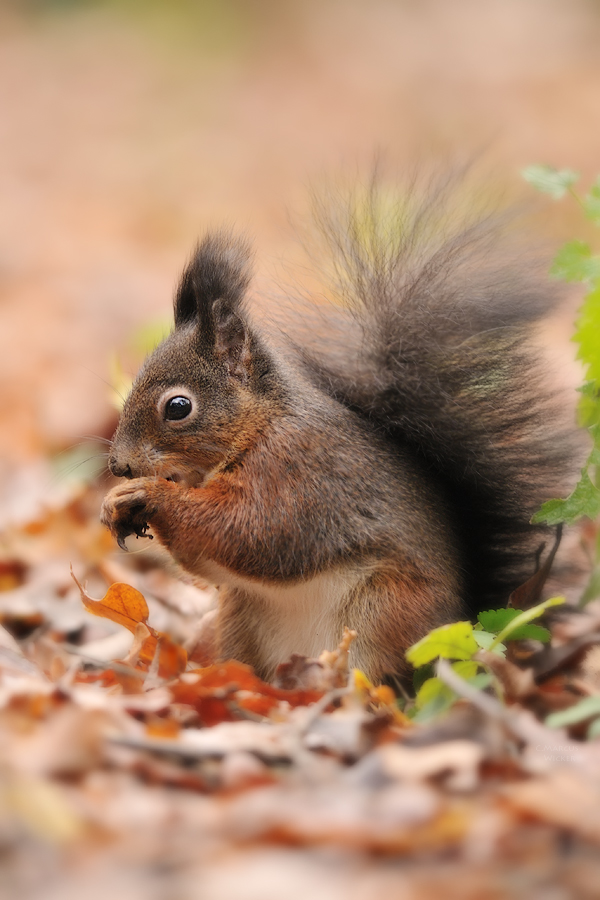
point(125, 134)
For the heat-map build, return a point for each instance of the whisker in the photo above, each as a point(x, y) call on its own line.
point(84, 442)
point(111, 386)
point(150, 463)
point(97, 437)
point(64, 473)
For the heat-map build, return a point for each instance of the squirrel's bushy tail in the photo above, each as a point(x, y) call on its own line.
point(442, 359)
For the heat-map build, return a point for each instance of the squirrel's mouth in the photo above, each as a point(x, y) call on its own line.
point(179, 472)
point(186, 479)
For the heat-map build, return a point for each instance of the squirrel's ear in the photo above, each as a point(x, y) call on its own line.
point(232, 340)
point(218, 270)
point(186, 303)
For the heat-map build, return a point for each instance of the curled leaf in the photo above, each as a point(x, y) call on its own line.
point(122, 604)
point(126, 606)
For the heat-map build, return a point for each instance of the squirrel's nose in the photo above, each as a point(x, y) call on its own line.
point(121, 470)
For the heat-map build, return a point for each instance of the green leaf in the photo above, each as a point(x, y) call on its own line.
point(466, 668)
point(435, 707)
point(485, 641)
point(454, 641)
point(594, 457)
point(552, 512)
point(588, 409)
point(574, 262)
point(495, 620)
point(591, 203)
point(586, 334)
point(530, 633)
point(584, 501)
point(431, 690)
point(549, 180)
point(434, 686)
point(524, 617)
point(589, 389)
point(421, 675)
point(435, 697)
point(585, 709)
point(481, 681)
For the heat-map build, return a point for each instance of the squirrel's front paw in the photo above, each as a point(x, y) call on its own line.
point(128, 508)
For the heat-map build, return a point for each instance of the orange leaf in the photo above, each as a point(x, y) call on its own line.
point(143, 647)
point(216, 690)
point(172, 658)
point(110, 678)
point(162, 728)
point(126, 606)
point(121, 604)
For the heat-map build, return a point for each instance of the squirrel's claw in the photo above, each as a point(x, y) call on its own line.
point(121, 534)
point(125, 511)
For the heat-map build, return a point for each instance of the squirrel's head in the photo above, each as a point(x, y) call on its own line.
point(204, 393)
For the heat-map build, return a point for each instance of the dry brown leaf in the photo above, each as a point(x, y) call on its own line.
point(12, 574)
point(126, 606)
point(121, 604)
point(457, 763)
point(326, 673)
point(564, 798)
point(217, 692)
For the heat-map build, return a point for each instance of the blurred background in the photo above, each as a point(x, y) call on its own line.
point(129, 127)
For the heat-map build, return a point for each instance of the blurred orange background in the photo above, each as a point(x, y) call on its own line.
point(127, 128)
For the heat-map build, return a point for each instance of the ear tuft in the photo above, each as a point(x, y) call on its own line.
point(218, 270)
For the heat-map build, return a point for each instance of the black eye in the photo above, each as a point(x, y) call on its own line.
point(177, 408)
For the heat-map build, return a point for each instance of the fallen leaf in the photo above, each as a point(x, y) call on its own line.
point(456, 762)
point(126, 606)
point(212, 690)
point(562, 798)
point(12, 574)
point(122, 604)
point(329, 671)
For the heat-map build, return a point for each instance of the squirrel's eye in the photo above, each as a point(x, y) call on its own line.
point(178, 408)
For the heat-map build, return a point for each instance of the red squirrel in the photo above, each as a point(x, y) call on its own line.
point(381, 477)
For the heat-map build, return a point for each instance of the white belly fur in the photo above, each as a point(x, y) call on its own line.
point(299, 618)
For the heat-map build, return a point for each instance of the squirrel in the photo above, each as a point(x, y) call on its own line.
point(379, 470)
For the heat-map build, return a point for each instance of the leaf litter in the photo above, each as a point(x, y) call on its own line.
point(121, 755)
